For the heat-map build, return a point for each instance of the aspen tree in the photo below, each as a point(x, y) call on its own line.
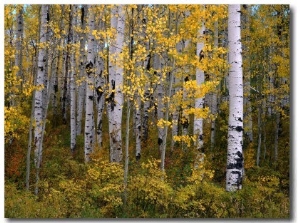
point(72, 73)
point(214, 96)
point(82, 63)
point(138, 101)
point(235, 160)
point(116, 82)
point(198, 121)
point(99, 85)
point(146, 65)
point(90, 70)
point(38, 105)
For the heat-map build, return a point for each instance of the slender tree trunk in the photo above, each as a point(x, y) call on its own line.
point(175, 113)
point(81, 87)
point(199, 102)
point(38, 100)
point(235, 160)
point(100, 81)
point(58, 68)
point(214, 97)
point(90, 70)
point(147, 94)
point(67, 64)
point(126, 150)
point(27, 181)
point(160, 95)
point(72, 73)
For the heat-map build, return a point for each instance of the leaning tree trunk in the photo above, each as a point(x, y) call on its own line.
point(235, 162)
point(38, 99)
point(90, 70)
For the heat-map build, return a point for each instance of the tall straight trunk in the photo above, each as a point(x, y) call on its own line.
point(175, 113)
point(100, 82)
point(90, 70)
point(199, 102)
point(235, 160)
point(67, 65)
point(81, 87)
point(19, 47)
point(46, 73)
point(138, 101)
point(72, 73)
point(58, 68)
point(127, 150)
point(38, 99)
point(214, 97)
point(159, 94)
point(116, 82)
point(29, 148)
point(147, 94)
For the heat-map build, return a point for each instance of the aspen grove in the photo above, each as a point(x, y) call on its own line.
point(147, 111)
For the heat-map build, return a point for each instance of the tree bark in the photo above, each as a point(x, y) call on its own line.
point(214, 97)
point(73, 12)
point(199, 102)
point(116, 82)
point(235, 160)
point(38, 100)
point(100, 82)
point(90, 70)
point(81, 87)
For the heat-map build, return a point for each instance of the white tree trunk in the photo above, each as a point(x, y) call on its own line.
point(81, 86)
point(199, 102)
point(159, 94)
point(100, 81)
point(116, 82)
point(147, 95)
point(38, 105)
point(66, 82)
point(72, 81)
point(235, 161)
point(90, 70)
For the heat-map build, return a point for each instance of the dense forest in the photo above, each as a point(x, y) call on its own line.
point(147, 111)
